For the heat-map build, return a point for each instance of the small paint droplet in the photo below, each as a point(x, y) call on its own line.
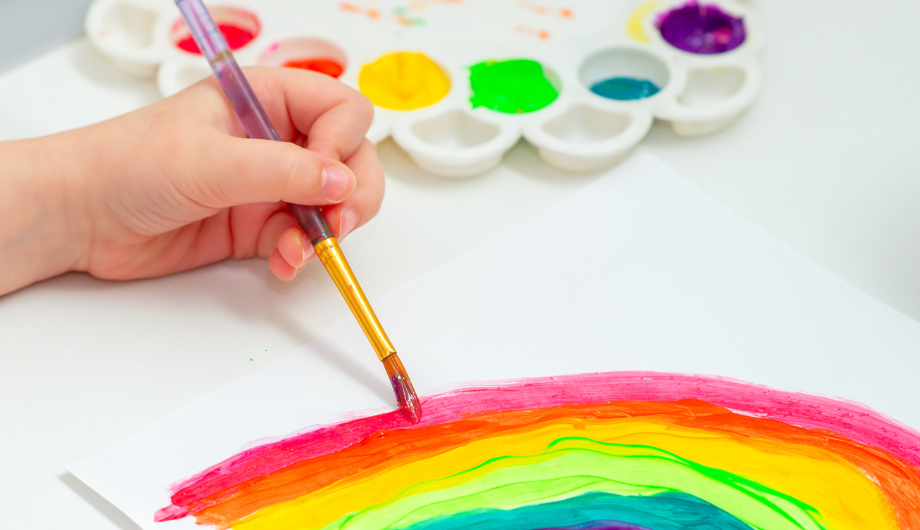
point(250, 359)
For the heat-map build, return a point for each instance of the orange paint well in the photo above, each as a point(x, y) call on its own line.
point(330, 67)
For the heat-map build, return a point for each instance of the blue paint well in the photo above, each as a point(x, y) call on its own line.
point(597, 511)
point(625, 88)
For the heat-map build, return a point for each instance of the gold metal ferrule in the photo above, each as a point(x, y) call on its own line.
point(333, 259)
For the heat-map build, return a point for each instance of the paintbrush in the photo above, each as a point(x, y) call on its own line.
point(257, 125)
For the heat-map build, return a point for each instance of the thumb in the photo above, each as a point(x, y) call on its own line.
point(246, 170)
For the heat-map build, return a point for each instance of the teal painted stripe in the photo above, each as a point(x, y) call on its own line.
point(664, 511)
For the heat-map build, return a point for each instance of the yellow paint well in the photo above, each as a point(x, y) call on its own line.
point(403, 81)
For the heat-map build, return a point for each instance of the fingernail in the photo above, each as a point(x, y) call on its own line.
point(338, 183)
point(348, 219)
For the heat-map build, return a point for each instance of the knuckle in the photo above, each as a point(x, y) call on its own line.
point(366, 108)
point(358, 104)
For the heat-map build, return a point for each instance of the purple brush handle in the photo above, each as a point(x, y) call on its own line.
point(212, 44)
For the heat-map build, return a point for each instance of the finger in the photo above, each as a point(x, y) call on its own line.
point(281, 268)
point(272, 229)
point(234, 171)
point(333, 116)
point(294, 248)
point(340, 131)
point(365, 202)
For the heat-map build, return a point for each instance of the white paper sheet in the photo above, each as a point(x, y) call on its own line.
point(638, 271)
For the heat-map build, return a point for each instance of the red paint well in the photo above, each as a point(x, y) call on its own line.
point(235, 36)
point(329, 67)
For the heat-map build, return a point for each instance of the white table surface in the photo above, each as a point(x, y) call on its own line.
point(826, 161)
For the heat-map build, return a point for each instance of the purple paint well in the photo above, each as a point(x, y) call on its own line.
point(702, 28)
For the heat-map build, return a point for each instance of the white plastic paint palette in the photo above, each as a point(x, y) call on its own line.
point(621, 45)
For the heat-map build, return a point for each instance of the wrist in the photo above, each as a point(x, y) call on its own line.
point(40, 199)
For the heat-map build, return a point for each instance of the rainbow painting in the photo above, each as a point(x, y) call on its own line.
point(611, 451)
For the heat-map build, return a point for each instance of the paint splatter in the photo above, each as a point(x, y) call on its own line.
point(538, 33)
point(330, 67)
point(403, 81)
point(625, 88)
point(515, 86)
point(624, 451)
point(702, 28)
point(370, 13)
point(404, 17)
point(542, 9)
point(236, 38)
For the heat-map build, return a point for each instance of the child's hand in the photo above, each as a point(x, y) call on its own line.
point(177, 185)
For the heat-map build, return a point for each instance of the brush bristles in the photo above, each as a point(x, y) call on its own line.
point(409, 406)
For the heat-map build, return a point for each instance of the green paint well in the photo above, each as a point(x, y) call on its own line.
point(515, 86)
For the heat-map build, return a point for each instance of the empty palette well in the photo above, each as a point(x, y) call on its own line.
point(455, 130)
point(582, 124)
point(129, 25)
point(708, 86)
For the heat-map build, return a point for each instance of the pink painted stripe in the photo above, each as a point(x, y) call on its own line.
point(849, 419)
